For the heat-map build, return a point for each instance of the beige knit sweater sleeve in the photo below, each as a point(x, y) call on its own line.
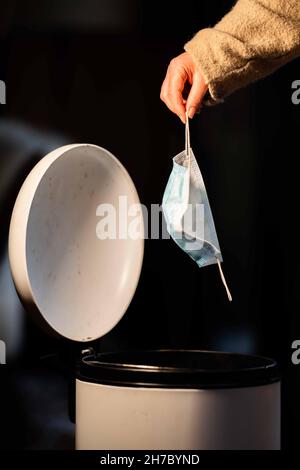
point(255, 38)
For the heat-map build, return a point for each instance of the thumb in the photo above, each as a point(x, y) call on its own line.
point(196, 94)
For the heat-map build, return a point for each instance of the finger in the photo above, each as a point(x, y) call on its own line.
point(197, 92)
point(163, 90)
point(176, 105)
point(171, 92)
point(176, 100)
point(169, 104)
point(165, 96)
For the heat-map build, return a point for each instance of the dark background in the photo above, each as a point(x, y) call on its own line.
point(91, 71)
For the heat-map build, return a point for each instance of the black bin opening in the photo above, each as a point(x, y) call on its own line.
point(178, 369)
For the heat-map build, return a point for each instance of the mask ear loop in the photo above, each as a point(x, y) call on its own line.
point(188, 153)
point(187, 139)
point(224, 280)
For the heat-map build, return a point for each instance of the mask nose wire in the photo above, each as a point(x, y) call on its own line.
point(188, 153)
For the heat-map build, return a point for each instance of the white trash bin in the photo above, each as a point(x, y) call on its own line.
point(177, 400)
point(79, 286)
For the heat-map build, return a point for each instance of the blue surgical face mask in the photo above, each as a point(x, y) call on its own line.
point(187, 211)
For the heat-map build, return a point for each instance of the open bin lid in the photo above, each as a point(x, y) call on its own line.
point(76, 284)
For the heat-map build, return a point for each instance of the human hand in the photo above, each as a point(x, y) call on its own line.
point(181, 74)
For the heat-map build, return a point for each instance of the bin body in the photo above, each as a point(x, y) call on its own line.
point(110, 417)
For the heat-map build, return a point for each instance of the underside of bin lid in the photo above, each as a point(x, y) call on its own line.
point(76, 284)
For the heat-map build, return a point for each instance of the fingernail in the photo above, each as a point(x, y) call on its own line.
point(191, 112)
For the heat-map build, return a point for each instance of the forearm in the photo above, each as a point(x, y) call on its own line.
point(255, 38)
